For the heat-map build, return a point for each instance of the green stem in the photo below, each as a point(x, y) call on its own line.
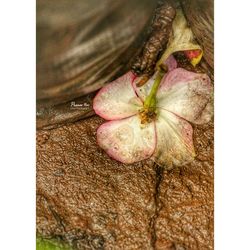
point(150, 101)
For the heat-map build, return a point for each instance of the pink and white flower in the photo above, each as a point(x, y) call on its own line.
point(167, 138)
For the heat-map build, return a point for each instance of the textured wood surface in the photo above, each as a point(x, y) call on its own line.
point(93, 202)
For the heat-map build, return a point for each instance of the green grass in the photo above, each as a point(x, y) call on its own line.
point(43, 244)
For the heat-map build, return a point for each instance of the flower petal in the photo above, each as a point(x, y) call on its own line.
point(127, 140)
point(171, 63)
point(144, 90)
point(187, 94)
point(174, 140)
point(181, 39)
point(118, 99)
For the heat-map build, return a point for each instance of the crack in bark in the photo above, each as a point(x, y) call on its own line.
point(159, 175)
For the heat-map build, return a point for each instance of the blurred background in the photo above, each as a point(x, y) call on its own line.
point(80, 46)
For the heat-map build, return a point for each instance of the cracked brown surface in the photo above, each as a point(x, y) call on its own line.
point(186, 199)
point(94, 202)
point(90, 193)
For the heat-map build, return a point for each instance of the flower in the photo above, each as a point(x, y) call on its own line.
point(182, 39)
point(136, 132)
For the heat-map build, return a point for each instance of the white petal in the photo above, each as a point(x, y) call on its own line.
point(174, 140)
point(187, 94)
point(144, 90)
point(126, 140)
point(118, 99)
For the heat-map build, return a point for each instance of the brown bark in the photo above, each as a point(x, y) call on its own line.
point(94, 202)
point(155, 44)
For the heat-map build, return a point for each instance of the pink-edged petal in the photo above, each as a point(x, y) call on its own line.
point(187, 94)
point(127, 140)
point(174, 140)
point(144, 90)
point(118, 99)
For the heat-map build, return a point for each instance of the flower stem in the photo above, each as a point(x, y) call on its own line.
point(150, 102)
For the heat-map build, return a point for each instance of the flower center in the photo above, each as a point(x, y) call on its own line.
point(148, 113)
